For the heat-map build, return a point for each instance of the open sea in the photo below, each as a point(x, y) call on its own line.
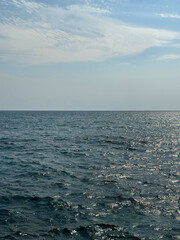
point(89, 175)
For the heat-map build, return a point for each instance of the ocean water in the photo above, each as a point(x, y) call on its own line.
point(89, 175)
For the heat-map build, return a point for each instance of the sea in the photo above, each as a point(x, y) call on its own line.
point(92, 175)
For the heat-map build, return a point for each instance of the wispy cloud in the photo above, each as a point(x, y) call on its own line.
point(29, 6)
point(169, 16)
point(75, 33)
point(169, 57)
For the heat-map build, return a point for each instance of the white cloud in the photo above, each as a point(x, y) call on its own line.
point(169, 16)
point(29, 6)
point(169, 57)
point(75, 33)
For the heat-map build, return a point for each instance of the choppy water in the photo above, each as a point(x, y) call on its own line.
point(89, 175)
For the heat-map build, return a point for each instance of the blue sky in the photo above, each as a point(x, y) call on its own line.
point(89, 55)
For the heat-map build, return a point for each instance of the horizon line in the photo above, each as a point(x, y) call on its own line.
point(86, 110)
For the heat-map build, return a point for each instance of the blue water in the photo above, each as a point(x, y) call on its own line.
point(89, 175)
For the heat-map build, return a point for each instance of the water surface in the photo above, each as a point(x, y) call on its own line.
point(89, 175)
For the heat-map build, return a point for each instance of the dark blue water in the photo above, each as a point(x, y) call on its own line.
point(89, 175)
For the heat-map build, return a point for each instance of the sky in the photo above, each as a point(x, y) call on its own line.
point(89, 55)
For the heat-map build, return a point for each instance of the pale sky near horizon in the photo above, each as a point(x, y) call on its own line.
point(89, 55)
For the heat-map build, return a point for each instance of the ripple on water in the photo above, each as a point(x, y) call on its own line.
point(89, 175)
